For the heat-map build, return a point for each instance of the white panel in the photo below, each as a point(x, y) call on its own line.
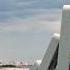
point(50, 52)
point(64, 45)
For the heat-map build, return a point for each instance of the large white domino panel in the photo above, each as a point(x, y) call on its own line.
point(64, 44)
point(50, 52)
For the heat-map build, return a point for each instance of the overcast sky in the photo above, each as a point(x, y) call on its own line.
point(26, 27)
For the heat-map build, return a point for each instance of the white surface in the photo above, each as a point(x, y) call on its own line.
point(50, 52)
point(64, 45)
point(66, 7)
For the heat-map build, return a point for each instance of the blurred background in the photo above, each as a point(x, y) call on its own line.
point(26, 28)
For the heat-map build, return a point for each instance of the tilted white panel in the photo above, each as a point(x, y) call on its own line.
point(50, 52)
